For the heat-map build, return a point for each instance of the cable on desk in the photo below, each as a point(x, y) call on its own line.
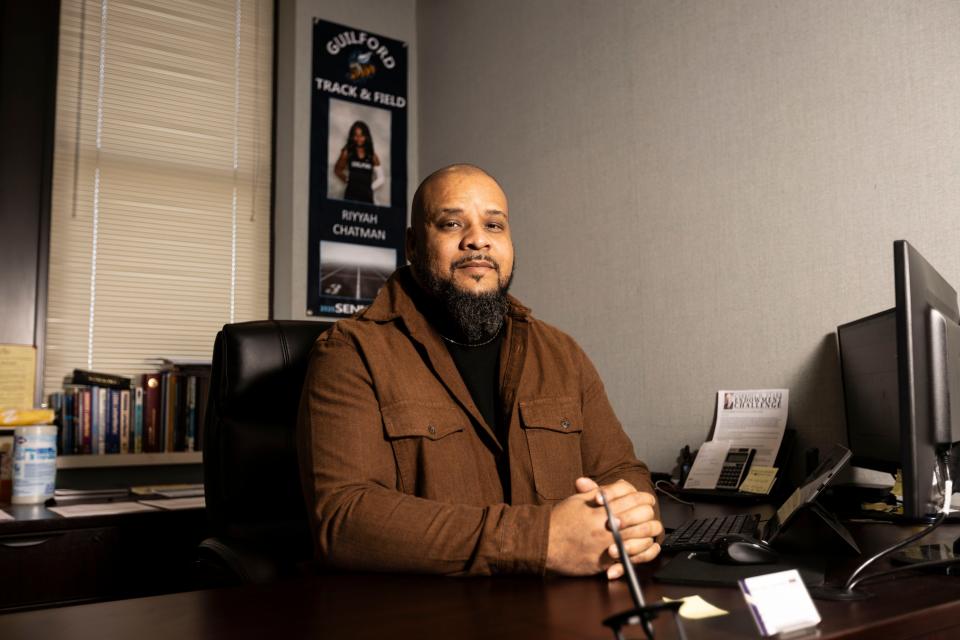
point(669, 494)
point(945, 508)
point(853, 579)
point(846, 592)
point(931, 564)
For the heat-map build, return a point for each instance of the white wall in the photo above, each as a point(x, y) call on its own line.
point(392, 18)
point(702, 191)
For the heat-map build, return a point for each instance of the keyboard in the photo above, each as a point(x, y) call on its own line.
point(698, 534)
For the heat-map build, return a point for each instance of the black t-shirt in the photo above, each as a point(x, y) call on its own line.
point(479, 367)
point(359, 179)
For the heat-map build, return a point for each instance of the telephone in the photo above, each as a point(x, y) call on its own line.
point(735, 468)
point(731, 491)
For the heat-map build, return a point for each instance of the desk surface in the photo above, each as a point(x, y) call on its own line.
point(398, 606)
point(30, 518)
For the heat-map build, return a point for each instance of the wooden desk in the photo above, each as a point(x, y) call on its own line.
point(398, 606)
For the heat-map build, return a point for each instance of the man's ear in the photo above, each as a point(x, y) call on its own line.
point(410, 245)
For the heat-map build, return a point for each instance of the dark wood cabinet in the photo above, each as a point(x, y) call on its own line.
point(47, 560)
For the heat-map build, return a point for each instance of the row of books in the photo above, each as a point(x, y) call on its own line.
point(149, 413)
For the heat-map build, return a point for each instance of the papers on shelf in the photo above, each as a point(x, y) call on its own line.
point(100, 509)
point(753, 418)
point(182, 493)
point(5, 516)
point(196, 502)
point(169, 490)
point(68, 496)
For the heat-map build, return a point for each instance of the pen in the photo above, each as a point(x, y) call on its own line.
point(624, 558)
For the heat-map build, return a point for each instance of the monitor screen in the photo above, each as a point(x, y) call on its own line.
point(868, 370)
point(901, 377)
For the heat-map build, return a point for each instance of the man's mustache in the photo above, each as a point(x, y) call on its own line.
point(478, 257)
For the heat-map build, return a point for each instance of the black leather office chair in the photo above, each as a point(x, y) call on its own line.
point(255, 506)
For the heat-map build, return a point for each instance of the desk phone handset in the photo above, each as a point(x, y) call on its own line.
point(736, 466)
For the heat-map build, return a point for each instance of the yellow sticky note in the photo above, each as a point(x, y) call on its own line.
point(696, 608)
point(759, 480)
point(877, 506)
point(18, 368)
point(897, 489)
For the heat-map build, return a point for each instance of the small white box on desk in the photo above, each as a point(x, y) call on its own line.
point(779, 602)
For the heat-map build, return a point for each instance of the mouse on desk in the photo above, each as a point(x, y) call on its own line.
point(739, 549)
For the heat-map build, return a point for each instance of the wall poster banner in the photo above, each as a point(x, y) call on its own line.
point(358, 167)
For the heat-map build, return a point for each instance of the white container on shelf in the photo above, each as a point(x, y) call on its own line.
point(34, 463)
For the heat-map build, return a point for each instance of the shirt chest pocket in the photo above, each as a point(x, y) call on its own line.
point(553, 427)
point(428, 444)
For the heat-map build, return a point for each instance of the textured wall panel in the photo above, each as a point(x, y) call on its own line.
point(702, 191)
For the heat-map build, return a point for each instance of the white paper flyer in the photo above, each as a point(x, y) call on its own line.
point(753, 418)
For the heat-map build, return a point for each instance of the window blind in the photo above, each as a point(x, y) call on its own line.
point(160, 223)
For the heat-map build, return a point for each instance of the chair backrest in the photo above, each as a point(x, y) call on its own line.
point(250, 465)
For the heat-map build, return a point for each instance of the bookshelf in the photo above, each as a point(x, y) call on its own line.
point(128, 460)
point(103, 417)
point(102, 460)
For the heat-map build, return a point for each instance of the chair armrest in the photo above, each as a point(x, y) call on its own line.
point(224, 562)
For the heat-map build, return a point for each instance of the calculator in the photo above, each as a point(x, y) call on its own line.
point(735, 467)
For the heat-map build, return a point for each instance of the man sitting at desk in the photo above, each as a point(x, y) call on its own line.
point(444, 429)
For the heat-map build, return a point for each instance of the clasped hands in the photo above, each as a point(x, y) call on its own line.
point(580, 541)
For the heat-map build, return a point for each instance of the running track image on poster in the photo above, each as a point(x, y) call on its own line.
point(352, 271)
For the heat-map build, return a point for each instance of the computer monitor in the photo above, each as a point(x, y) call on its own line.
point(901, 380)
point(868, 367)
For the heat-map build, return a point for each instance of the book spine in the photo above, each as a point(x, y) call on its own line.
point(94, 420)
point(151, 412)
point(76, 427)
point(113, 421)
point(138, 419)
point(108, 380)
point(102, 416)
point(164, 412)
point(125, 421)
point(77, 396)
point(180, 414)
point(191, 412)
point(67, 422)
point(86, 417)
point(56, 402)
point(171, 413)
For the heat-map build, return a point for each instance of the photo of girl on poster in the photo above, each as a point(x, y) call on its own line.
point(359, 150)
point(358, 165)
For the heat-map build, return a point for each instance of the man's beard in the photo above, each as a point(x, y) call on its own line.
point(477, 316)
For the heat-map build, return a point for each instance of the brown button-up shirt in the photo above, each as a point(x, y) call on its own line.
point(400, 467)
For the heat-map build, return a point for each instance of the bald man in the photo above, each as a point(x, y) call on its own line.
point(444, 429)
